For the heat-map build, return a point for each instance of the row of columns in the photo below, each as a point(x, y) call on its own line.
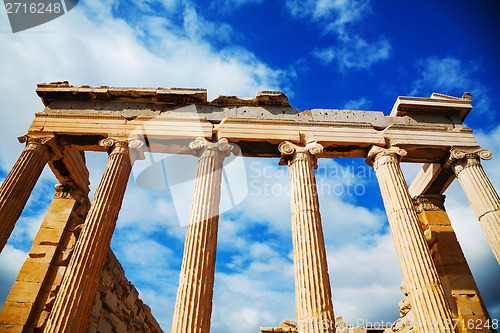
point(312, 286)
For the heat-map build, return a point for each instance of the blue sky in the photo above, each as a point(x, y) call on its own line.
point(342, 54)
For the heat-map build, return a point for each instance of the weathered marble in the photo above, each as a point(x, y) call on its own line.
point(193, 306)
point(20, 181)
point(484, 199)
point(313, 297)
point(419, 272)
point(73, 303)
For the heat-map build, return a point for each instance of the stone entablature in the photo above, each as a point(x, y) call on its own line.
point(268, 119)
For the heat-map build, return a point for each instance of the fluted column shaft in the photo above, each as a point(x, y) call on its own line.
point(21, 180)
point(484, 199)
point(75, 297)
point(428, 300)
point(193, 306)
point(313, 298)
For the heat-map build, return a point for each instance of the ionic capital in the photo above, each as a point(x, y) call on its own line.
point(204, 148)
point(378, 156)
point(131, 147)
point(461, 158)
point(429, 202)
point(36, 143)
point(290, 152)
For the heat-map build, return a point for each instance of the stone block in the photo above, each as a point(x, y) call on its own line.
point(15, 313)
point(132, 297)
point(106, 279)
point(468, 304)
point(24, 292)
point(141, 315)
point(104, 325)
point(47, 236)
point(96, 308)
point(11, 328)
point(434, 218)
point(92, 328)
point(42, 319)
point(59, 205)
point(121, 328)
point(33, 271)
point(43, 253)
point(461, 284)
point(57, 216)
point(110, 301)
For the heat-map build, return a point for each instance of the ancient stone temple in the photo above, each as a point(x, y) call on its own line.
point(72, 281)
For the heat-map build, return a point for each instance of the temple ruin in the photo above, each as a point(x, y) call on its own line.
point(72, 281)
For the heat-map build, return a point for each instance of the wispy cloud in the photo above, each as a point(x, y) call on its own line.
point(357, 104)
point(355, 53)
point(334, 15)
point(94, 45)
point(339, 17)
point(231, 5)
point(110, 51)
point(11, 261)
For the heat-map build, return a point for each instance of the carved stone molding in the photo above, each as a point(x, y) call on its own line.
point(461, 158)
point(429, 202)
point(457, 153)
point(63, 191)
point(291, 152)
point(378, 156)
point(204, 148)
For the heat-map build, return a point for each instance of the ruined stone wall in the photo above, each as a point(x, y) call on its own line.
point(117, 306)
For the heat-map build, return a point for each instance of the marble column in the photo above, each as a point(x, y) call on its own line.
point(456, 277)
point(75, 297)
point(313, 297)
point(21, 180)
point(193, 306)
point(465, 163)
point(428, 300)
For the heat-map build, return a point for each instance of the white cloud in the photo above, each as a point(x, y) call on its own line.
point(341, 12)
point(448, 73)
point(89, 46)
point(357, 104)
point(351, 50)
point(355, 53)
point(11, 261)
point(363, 275)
